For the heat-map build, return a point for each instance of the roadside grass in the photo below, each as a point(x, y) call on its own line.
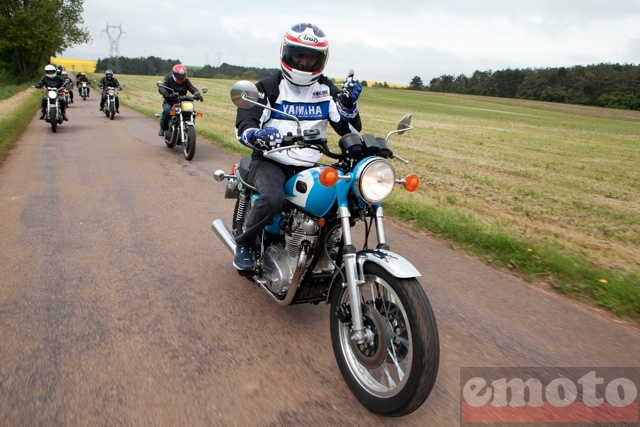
point(549, 192)
point(15, 116)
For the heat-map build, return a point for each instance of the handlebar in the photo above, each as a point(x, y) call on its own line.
point(310, 139)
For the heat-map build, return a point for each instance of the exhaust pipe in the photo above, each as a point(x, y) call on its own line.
point(224, 234)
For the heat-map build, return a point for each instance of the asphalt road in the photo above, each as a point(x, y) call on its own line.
point(120, 306)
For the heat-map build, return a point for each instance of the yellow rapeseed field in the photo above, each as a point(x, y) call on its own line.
point(75, 65)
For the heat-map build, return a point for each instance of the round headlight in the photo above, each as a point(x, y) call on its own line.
point(375, 180)
point(187, 106)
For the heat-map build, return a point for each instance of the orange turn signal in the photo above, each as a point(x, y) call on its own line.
point(198, 114)
point(411, 183)
point(328, 176)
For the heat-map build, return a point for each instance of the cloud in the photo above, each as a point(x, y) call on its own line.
point(381, 40)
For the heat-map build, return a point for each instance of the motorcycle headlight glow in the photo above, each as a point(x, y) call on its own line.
point(52, 94)
point(375, 180)
point(187, 106)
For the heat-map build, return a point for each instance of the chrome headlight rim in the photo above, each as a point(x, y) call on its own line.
point(368, 184)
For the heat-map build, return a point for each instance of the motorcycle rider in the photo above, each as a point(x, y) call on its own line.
point(68, 84)
point(180, 84)
point(300, 88)
point(82, 77)
point(109, 81)
point(52, 79)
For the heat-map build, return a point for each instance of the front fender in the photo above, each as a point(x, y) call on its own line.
point(395, 264)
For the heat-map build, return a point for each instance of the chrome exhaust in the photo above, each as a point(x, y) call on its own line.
point(224, 234)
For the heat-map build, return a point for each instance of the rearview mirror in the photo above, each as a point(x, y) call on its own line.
point(244, 94)
point(405, 124)
point(205, 90)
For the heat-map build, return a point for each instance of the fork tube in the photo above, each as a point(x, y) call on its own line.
point(382, 241)
point(349, 255)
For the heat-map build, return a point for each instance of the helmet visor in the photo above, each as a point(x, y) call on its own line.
point(304, 58)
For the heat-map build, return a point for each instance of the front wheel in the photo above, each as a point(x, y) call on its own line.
point(53, 118)
point(395, 372)
point(112, 112)
point(189, 146)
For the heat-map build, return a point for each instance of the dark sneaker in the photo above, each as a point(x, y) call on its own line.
point(101, 108)
point(117, 111)
point(161, 132)
point(64, 117)
point(244, 258)
point(41, 116)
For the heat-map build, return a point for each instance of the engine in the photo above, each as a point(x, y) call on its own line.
point(280, 260)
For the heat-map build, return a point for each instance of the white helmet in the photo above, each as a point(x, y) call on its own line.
point(303, 54)
point(50, 70)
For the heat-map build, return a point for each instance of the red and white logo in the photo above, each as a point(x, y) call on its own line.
point(549, 395)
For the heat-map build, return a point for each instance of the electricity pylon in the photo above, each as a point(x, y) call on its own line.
point(114, 47)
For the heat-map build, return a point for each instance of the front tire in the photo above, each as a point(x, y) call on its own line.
point(53, 118)
point(395, 374)
point(189, 146)
point(112, 112)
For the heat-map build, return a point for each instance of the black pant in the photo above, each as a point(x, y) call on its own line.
point(268, 178)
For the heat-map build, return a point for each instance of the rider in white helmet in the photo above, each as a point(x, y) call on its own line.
point(299, 88)
point(52, 79)
point(68, 84)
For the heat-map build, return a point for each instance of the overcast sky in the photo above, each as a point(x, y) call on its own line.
point(382, 40)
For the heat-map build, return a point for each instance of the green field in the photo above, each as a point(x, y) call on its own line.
point(550, 192)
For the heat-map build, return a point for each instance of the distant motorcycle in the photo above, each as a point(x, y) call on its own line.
point(110, 102)
point(67, 96)
point(182, 122)
point(53, 113)
point(83, 89)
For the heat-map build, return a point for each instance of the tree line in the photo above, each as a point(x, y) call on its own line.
point(35, 30)
point(153, 66)
point(604, 85)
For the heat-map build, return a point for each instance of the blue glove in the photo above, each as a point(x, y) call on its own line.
point(261, 139)
point(347, 102)
point(351, 89)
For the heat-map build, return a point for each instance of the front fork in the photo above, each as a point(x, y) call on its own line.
point(355, 272)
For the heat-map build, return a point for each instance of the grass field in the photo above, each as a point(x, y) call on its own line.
point(550, 192)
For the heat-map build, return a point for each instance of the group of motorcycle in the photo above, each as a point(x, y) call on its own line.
point(53, 111)
point(383, 329)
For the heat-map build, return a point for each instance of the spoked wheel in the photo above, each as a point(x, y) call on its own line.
point(189, 146)
point(112, 112)
point(54, 120)
point(394, 373)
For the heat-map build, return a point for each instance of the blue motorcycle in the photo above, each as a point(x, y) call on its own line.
point(383, 329)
